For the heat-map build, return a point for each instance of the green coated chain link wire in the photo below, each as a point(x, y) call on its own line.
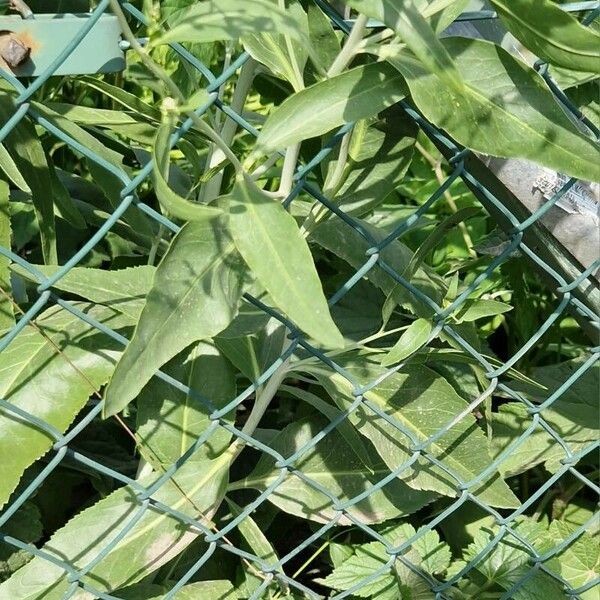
point(373, 260)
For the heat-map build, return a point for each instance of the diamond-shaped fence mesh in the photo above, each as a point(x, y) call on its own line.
point(73, 576)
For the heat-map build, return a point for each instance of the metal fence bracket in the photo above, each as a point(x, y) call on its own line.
point(28, 47)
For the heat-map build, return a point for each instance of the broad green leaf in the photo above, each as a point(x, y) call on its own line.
point(7, 316)
point(195, 295)
point(285, 56)
point(501, 94)
point(124, 290)
point(579, 562)
point(348, 244)
point(414, 338)
point(344, 428)
point(552, 33)
point(404, 18)
point(420, 402)
point(576, 423)
point(356, 94)
point(169, 420)
point(270, 242)
point(171, 201)
point(324, 42)
point(27, 152)
point(228, 20)
point(50, 371)
point(196, 490)
point(25, 525)
point(335, 467)
point(479, 309)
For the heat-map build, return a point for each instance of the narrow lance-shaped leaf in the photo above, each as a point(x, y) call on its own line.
point(410, 341)
point(332, 465)
point(50, 372)
point(419, 403)
point(28, 155)
point(505, 109)
point(271, 244)
point(195, 295)
point(228, 20)
point(552, 33)
point(7, 317)
point(356, 94)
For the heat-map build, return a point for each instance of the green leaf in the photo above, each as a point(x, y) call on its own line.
point(172, 202)
point(27, 152)
point(428, 554)
point(230, 20)
point(284, 56)
point(509, 562)
point(479, 309)
point(356, 94)
point(506, 96)
point(10, 169)
point(196, 490)
point(414, 338)
point(579, 562)
point(190, 300)
point(25, 525)
point(7, 316)
point(404, 18)
point(215, 589)
point(421, 402)
point(124, 290)
point(253, 354)
point(169, 421)
point(324, 42)
point(378, 157)
point(270, 242)
point(551, 33)
point(336, 468)
point(348, 244)
point(50, 371)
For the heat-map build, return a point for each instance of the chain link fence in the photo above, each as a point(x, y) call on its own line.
point(566, 287)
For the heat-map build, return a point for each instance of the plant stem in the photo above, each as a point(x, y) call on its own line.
point(350, 48)
point(287, 171)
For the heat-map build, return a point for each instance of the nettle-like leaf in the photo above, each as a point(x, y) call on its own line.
point(195, 295)
point(270, 242)
point(335, 467)
point(506, 96)
point(420, 402)
point(355, 94)
point(428, 556)
point(552, 33)
point(50, 371)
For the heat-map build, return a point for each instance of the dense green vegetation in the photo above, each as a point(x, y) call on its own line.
point(219, 268)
